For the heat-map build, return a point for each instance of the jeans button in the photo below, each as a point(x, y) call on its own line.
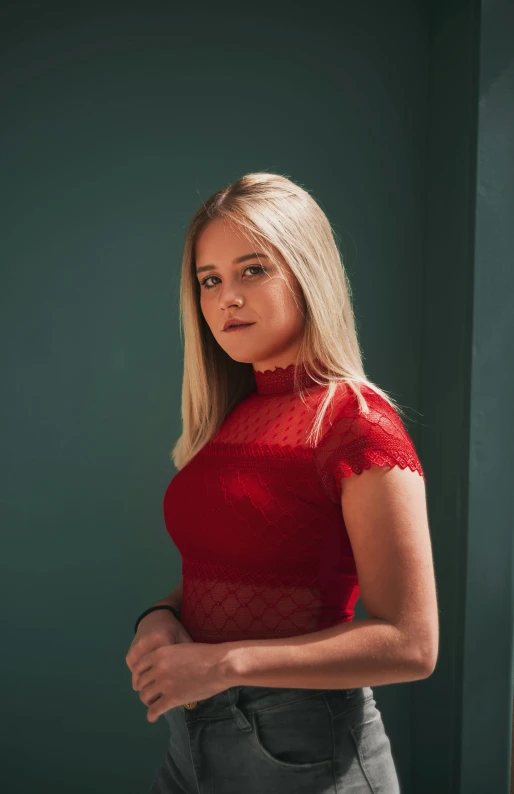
point(191, 705)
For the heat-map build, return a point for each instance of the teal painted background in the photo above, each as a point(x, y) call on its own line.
point(118, 120)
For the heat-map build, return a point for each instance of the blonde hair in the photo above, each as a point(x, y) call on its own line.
point(278, 214)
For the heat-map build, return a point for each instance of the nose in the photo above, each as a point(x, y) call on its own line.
point(230, 297)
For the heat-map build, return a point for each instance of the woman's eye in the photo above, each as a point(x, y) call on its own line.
point(260, 269)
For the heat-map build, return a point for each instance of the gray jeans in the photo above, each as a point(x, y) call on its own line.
point(252, 739)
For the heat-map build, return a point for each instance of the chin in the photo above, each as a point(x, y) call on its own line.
point(240, 359)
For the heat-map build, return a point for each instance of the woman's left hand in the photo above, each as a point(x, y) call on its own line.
point(173, 675)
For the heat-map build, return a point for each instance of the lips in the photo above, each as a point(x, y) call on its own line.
point(234, 323)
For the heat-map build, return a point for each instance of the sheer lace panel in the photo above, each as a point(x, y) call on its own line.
point(256, 514)
point(357, 441)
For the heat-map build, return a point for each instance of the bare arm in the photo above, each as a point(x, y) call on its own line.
point(386, 517)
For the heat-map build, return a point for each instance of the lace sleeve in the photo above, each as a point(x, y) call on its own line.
point(355, 441)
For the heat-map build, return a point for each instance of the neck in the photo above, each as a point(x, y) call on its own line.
point(281, 380)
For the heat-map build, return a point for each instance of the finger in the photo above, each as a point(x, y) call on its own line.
point(156, 709)
point(151, 693)
point(144, 679)
point(130, 656)
point(139, 649)
point(136, 676)
point(142, 647)
point(144, 664)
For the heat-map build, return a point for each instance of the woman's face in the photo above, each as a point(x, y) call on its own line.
point(252, 291)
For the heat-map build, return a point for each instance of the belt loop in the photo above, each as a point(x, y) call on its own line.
point(241, 721)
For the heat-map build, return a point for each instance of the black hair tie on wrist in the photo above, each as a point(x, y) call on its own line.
point(159, 606)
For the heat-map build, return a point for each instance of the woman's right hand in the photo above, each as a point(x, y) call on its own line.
point(156, 629)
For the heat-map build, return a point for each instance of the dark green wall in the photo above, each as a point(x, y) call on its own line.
point(118, 120)
point(462, 714)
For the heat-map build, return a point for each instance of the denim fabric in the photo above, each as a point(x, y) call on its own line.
point(252, 739)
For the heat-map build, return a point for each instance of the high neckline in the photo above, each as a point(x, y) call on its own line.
point(281, 380)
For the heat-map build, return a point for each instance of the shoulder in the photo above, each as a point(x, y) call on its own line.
point(374, 409)
point(360, 437)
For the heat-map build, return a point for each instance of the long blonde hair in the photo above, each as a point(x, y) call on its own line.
point(278, 214)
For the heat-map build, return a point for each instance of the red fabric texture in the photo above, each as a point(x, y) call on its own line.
point(256, 515)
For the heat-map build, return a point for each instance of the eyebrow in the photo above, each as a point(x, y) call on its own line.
point(237, 261)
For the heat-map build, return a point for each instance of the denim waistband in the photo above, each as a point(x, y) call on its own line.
point(257, 698)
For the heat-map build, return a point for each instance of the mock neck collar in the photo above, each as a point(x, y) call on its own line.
point(280, 380)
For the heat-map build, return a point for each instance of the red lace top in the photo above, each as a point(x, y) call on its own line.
point(256, 515)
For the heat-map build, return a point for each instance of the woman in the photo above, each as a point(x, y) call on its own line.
point(298, 490)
